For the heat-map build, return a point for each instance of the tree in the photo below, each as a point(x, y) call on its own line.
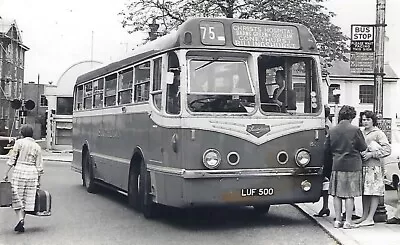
point(171, 13)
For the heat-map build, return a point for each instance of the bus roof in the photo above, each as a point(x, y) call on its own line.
point(231, 34)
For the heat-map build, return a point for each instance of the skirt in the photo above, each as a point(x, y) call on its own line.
point(373, 184)
point(24, 183)
point(345, 184)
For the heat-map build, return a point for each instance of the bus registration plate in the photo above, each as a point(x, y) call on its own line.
point(257, 192)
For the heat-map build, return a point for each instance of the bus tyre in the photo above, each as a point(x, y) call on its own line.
point(261, 209)
point(87, 174)
point(133, 188)
point(147, 206)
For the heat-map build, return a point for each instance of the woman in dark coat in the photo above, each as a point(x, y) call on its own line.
point(345, 143)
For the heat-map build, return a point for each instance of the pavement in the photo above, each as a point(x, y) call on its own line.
point(53, 156)
point(380, 233)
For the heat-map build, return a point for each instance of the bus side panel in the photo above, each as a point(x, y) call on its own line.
point(169, 189)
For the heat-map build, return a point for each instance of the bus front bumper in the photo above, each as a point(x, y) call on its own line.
point(240, 187)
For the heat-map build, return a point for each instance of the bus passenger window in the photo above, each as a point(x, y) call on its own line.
point(87, 99)
point(174, 96)
point(110, 90)
point(98, 90)
point(142, 82)
point(79, 98)
point(156, 91)
point(125, 82)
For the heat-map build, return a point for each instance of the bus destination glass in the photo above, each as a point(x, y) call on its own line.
point(212, 33)
point(265, 36)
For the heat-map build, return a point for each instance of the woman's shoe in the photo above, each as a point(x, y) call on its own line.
point(337, 224)
point(348, 225)
point(20, 226)
point(323, 212)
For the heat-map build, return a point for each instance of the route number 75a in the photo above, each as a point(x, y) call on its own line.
point(207, 32)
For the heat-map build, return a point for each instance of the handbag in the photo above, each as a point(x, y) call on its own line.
point(5, 194)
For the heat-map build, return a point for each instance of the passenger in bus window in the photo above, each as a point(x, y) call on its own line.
point(236, 85)
point(279, 93)
point(344, 145)
point(173, 96)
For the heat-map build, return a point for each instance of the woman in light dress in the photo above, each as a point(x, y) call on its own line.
point(373, 185)
point(26, 158)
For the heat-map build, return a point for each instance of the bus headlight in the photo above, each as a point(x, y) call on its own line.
point(211, 158)
point(302, 158)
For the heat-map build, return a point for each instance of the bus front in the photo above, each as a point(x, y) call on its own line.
point(252, 127)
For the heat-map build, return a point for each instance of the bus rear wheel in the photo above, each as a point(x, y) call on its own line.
point(261, 209)
point(148, 207)
point(87, 174)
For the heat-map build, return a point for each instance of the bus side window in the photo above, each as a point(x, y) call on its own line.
point(110, 90)
point(173, 90)
point(142, 82)
point(156, 90)
point(79, 98)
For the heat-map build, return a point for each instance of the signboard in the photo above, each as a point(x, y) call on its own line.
point(265, 36)
point(385, 124)
point(212, 33)
point(362, 62)
point(362, 49)
point(362, 33)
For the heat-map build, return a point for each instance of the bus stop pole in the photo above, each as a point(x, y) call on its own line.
point(380, 214)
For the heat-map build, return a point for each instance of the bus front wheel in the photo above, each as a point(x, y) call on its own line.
point(147, 205)
point(133, 188)
point(261, 209)
point(87, 172)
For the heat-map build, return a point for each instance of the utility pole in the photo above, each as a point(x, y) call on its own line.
point(380, 214)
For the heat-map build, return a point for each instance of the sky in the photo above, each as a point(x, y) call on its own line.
point(64, 32)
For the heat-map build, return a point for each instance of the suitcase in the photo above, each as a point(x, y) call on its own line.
point(5, 194)
point(42, 203)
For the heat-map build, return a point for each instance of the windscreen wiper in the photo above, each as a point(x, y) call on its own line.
point(206, 64)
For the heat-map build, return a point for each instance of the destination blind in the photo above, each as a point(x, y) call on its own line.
point(265, 36)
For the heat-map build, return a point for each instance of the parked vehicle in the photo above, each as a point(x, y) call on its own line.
point(392, 171)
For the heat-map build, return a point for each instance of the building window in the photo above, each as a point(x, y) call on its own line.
point(43, 101)
point(366, 94)
point(64, 105)
point(331, 98)
point(300, 89)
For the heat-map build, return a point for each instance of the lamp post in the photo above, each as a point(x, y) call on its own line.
point(380, 214)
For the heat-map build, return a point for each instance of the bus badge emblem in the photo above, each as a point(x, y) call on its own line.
point(258, 130)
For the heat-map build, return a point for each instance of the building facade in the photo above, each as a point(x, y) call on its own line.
point(12, 60)
point(358, 90)
point(36, 117)
point(60, 104)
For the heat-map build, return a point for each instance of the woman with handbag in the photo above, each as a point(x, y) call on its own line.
point(26, 158)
